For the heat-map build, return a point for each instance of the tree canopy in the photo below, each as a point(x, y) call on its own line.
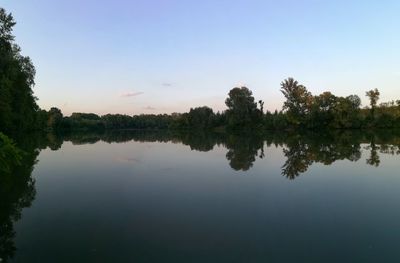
point(242, 108)
point(18, 108)
point(298, 100)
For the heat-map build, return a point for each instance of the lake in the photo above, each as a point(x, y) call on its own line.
point(192, 197)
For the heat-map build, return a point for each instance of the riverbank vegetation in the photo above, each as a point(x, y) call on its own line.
point(301, 110)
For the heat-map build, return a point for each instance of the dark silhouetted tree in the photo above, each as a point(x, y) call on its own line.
point(55, 118)
point(242, 109)
point(200, 118)
point(17, 104)
point(373, 96)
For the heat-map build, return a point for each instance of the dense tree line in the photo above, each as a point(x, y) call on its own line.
point(301, 110)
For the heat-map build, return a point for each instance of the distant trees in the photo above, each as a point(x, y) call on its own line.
point(301, 110)
point(326, 110)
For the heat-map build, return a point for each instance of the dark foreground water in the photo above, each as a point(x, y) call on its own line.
point(158, 197)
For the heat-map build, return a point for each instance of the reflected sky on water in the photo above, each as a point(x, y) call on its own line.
point(163, 197)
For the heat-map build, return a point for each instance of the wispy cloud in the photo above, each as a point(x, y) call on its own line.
point(131, 94)
point(149, 108)
point(127, 160)
point(166, 84)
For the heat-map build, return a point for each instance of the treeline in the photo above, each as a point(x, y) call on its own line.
point(301, 110)
point(304, 110)
point(198, 118)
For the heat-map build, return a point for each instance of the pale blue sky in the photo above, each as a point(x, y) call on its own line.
point(152, 56)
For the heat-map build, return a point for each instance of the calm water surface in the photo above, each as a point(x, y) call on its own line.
point(154, 197)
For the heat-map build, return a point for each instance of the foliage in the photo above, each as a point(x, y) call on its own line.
point(200, 118)
point(242, 109)
point(10, 155)
point(300, 110)
point(18, 108)
point(373, 96)
point(298, 100)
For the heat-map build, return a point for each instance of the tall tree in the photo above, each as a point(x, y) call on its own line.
point(373, 96)
point(298, 100)
point(18, 106)
point(242, 109)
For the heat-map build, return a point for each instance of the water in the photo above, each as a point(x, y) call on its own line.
point(162, 197)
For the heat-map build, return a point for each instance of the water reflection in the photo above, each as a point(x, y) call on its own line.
point(243, 150)
point(17, 187)
point(300, 150)
point(17, 191)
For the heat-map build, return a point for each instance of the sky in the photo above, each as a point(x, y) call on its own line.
point(164, 56)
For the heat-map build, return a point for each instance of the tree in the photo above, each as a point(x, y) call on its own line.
point(346, 114)
point(55, 118)
point(322, 110)
point(6, 25)
point(355, 102)
point(373, 96)
point(326, 101)
point(18, 106)
point(242, 109)
point(200, 117)
point(298, 100)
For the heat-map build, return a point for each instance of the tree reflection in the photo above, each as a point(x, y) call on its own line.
point(17, 191)
point(243, 150)
point(17, 187)
point(297, 159)
point(301, 150)
point(373, 159)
